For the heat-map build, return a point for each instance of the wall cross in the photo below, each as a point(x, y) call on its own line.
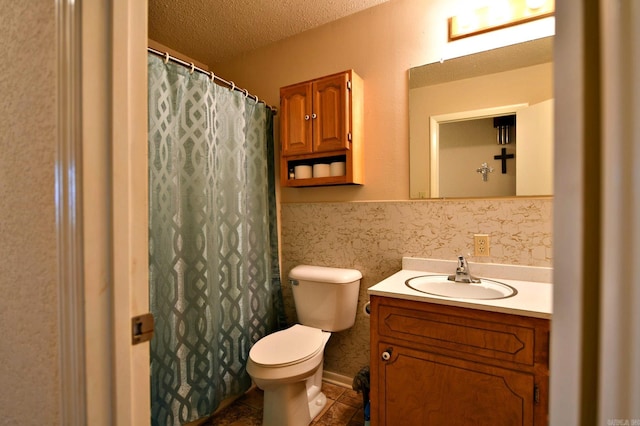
point(504, 157)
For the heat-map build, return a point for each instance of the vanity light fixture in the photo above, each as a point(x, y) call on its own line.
point(498, 14)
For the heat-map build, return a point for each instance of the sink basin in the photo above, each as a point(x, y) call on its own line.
point(439, 285)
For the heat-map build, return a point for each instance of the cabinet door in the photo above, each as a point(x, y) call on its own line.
point(295, 124)
point(421, 388)
point(331, 124)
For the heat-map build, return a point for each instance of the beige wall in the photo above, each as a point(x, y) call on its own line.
point(28, 307)
point(464, 146)
point(380, 44)
point(322, 225)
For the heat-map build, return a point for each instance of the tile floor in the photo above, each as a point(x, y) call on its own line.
point(344, 408)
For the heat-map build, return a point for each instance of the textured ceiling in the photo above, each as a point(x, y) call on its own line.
point(212, 31)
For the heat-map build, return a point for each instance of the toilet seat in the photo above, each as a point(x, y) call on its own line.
point(287, 347)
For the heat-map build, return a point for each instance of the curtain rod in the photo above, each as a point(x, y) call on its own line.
point(230, 84)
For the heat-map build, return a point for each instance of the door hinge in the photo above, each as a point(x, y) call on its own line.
point(536, 394)
point(348, 84)
point(141, 328)
point(349, 136)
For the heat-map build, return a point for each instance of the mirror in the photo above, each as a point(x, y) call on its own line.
point(453, 103)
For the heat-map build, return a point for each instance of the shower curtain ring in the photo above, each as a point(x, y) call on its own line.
point(166, 58)
point(246, 93)
point(193, 68)
point(257, 100)
point(213, 76)
point(233, 86)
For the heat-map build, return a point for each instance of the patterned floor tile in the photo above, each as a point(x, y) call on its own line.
point(351, 397)
point(338, 414)
point(344, 408)
point(332, 391)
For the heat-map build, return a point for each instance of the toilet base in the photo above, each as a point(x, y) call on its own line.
point(286, 406)
point(317, 404)
point(294, 404)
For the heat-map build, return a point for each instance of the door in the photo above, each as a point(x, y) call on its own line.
point(115, 212)
point(130, 212)
point(422, 388)
point(296, 122)
point(331, 113)
point(534, 159)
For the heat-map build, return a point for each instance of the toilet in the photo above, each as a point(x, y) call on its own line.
point(287, 364)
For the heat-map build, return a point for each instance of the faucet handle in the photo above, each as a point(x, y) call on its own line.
point(462, 264)
point(463, 275)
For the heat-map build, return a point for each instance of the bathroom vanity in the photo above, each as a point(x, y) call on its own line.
point(443, 360)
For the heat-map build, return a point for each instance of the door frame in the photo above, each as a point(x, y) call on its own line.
point(101, 171)
point(129, 197)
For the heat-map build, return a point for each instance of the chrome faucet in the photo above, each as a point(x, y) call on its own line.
point(462, 273)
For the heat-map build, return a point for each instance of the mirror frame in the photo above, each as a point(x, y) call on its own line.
point(530, 53)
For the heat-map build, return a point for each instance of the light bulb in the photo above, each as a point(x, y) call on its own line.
point(535, 4)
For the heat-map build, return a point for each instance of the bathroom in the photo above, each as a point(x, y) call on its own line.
point(373, 226)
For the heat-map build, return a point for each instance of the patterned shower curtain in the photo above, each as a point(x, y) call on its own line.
point(214, 278)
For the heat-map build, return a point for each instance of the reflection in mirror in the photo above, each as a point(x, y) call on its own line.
point(452, 104)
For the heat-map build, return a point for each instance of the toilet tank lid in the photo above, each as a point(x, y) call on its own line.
point(324, 274)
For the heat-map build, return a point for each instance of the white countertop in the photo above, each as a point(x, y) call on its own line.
point(534, 298)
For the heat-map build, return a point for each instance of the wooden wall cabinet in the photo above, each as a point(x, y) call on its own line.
point(434, 364)
point(321, 123)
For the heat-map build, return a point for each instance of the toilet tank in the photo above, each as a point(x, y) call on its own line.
point(325, 298)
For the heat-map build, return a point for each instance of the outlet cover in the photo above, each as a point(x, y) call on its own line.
point(481, 245)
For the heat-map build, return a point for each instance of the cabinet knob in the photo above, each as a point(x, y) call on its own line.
point(306, 117)
point(386, 355)
point(314, 115)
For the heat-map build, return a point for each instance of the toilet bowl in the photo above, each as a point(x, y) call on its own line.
point(287, 365)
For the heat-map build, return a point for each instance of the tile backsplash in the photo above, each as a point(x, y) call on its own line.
point(374, 236)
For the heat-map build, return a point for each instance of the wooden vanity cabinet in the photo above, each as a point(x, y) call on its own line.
point(321, 122)
point(434, 364)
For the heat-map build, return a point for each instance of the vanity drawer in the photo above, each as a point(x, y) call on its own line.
point(461, 332)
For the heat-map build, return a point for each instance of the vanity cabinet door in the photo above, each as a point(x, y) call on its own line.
point(421, 388)
point(433, 364)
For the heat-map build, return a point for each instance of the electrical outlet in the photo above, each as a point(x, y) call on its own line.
point(481, 245)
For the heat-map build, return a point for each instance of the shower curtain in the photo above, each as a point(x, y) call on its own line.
point(214, 278)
